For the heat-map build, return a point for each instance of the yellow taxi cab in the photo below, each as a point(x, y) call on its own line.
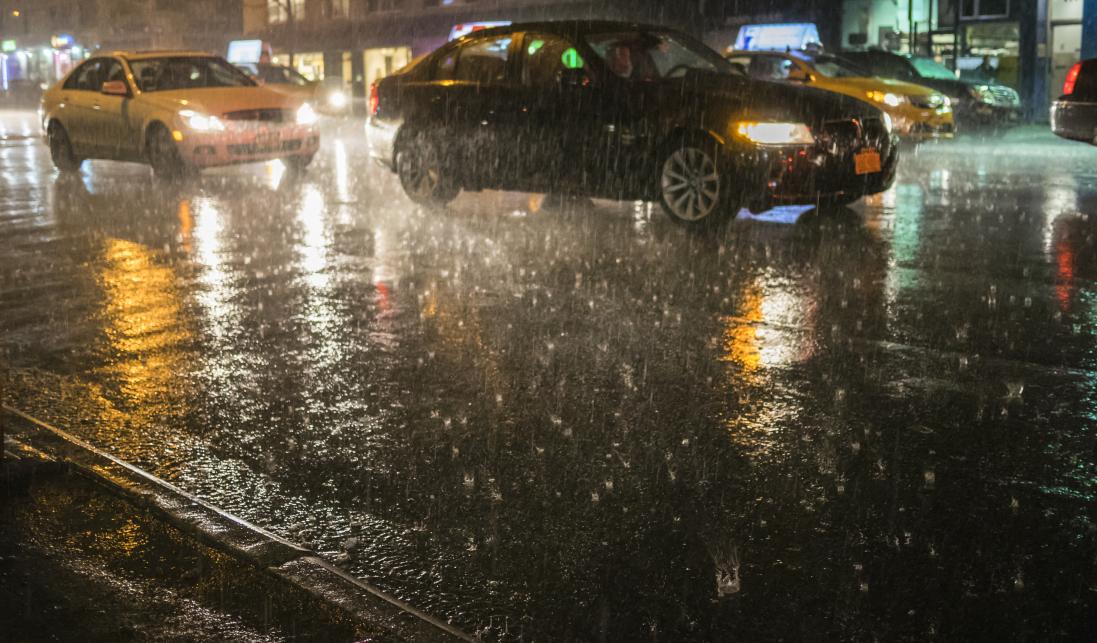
point(177, 111)
point(916, 112)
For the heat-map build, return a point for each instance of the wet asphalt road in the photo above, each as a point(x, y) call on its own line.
point(586, 423)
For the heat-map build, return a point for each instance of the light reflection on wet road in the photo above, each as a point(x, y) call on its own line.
point(588, 423)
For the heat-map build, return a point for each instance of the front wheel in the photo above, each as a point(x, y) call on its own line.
point(297, 163)
point(692, 188)
point(422, 172)
point(164, 156)
point(61, 149)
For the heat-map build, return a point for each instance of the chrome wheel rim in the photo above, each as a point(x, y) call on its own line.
point(420, 177)
point(691, 184)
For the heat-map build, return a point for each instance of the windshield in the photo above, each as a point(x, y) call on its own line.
point(280, 75)
point(651, 56)
point(834, 67)
point(929, 68)
point(186, 72)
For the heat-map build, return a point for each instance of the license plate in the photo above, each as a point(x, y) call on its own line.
point(267, 139)
point(866, 162)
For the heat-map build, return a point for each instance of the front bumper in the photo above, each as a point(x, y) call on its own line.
point(823, 173)
point(923, 125)
point(978, 113)
point(248, 144)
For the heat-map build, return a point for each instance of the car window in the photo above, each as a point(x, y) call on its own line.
point(929, 68)
point(834, 67)
point(86, 77)
point(883, 65)
point(187, 72)
point(544, 57)
point(654, 55)
point(770, 67)
point(446, 65)
point(114, 71)
point(484, 61)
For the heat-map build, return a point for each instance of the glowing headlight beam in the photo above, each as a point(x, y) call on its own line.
point(200, 122)
point(306, 115)
point(776, 133)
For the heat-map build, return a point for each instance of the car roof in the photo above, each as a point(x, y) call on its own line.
point(167, 53)
point(570, 27)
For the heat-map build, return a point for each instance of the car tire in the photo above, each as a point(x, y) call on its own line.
point(61, 149)
point(298, 163)
point(163, 155)
point(423, 173)
point(693, 188)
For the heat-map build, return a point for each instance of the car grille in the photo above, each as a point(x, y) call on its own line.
point(266, 115)
point(851, 134)
point(255, 148)
point(933, 101)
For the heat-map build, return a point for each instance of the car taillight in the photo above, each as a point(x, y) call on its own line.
point(374, 100)
point(1072, 78)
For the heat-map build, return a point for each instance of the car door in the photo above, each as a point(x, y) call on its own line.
point(557, 126)
point(77, 94)
point(480, 95)
point(109, 119)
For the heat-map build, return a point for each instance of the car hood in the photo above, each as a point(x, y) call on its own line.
point(886, 85)
point(753, 99)
point(220, 100)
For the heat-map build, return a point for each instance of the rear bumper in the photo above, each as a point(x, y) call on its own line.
point(381, 140)
point(1075, 120)
point(212, 149)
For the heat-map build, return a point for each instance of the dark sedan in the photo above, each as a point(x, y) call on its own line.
point(620, 111)
point(1074, 115)
point(974, 104)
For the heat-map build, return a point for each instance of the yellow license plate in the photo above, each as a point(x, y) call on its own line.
point(866, 162)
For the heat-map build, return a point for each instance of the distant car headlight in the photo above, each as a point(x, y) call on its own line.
point(337, 99)
point(306, 115)
point(888, 124)
point(200, 122)
point(982, 93)
point(776, 133)
point(887, 98)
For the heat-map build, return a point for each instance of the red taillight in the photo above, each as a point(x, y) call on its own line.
point(374, 100)
point(1072, 78)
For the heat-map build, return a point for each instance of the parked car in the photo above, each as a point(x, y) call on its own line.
point(918, 112)
point(177, 111)
point(975, 104)
point(621, 111)
point(327, 98)
point(1074, 115)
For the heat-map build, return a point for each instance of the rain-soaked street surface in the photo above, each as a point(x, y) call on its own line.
point(585, 422)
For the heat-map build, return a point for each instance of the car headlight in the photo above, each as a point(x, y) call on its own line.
point(982, 93)
point(200, 122)
point(888, 124)
point(337, 99)
point(887, 98)
point(306, 115)
point(776, 133)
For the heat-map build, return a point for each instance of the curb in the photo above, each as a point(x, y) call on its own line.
point(267, 552)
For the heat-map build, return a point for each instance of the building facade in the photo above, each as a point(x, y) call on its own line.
point(42, 39)
point(1027, 44)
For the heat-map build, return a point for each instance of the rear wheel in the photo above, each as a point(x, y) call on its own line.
point(164, 156)
point(692, 188)
point(61, 149)
point(423, 173)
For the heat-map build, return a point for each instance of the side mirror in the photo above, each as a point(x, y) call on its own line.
point(115, 88)
point(569, 78)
